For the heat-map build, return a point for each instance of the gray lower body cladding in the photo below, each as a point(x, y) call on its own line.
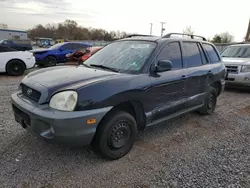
point(57, 126)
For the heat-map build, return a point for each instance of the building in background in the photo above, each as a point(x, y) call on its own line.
point(12, 34)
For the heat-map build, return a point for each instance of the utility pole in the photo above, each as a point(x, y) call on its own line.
point(151, 28)
point(162, 28)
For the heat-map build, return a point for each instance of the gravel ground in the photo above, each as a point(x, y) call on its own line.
point(189, 151)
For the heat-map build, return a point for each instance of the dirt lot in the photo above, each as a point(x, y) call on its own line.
point(190, 151)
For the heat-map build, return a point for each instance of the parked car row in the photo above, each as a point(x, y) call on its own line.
point(57, 53)
point(15, 62)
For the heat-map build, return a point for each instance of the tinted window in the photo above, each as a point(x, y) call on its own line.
point(68, 46)
point(203, 56)
point(172, 52)
point(6, 49)
point(212, 55)
point(192, 54)
point(56, 46)
point(237, 51)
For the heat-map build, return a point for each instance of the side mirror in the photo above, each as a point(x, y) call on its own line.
point(61, 49)
point(162, 66)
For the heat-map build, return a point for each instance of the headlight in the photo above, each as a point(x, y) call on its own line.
point(245, 68)
point(65, 101)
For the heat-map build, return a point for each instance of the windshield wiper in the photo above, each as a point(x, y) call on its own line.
point(104, 67)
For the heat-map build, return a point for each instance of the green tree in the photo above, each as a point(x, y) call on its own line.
point(224, 37)
point(217, 39)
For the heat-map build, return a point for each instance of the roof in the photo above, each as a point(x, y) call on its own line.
point(245, 44)
point(11, 30)
point(167, 37)
point(143, 38)
point(84, 43)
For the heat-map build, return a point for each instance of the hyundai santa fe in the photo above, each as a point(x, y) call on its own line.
point(129, 85)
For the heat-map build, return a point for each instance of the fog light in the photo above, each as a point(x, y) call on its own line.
point(246, 78)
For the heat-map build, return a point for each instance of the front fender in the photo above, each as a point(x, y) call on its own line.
point(114, 92)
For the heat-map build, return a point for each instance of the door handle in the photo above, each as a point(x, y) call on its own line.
point(210, 72)
point(184, 76)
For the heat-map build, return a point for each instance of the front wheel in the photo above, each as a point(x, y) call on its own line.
point(209, 102)
point(115, 136)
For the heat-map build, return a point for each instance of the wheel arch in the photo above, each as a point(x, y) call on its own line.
point(217, 85)
point(15, 59)
point(134, 108)
point(51, 55)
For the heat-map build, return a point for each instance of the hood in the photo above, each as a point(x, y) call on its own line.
point(66, 77)
point(236, 61)
point(39, 50)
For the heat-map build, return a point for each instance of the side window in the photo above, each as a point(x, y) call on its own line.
point(203, 56)
point(2, 49)
point(76, 46)
point(212, 55)
point(192, 54)
point(6, 49)
point(172, 52)
point(68, 46)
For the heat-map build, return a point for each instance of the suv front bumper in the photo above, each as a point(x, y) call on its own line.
point(54, 125)
point(240, 79)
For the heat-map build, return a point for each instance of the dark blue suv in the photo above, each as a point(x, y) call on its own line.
point(128, 86)
point(57, 53)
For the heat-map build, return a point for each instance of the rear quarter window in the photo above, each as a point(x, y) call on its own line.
point(211, 53)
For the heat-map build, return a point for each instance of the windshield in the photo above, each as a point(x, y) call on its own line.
point(123, 56)
point(1, 41)
point(237, 51)
point(56, 46)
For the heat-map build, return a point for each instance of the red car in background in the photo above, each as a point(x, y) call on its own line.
point(89, 52)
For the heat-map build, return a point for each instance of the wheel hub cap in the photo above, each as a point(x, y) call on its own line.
point(119, 135)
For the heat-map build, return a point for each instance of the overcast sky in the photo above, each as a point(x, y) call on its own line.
point(206, 17)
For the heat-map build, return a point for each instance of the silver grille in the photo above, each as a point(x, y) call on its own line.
point(232, 69)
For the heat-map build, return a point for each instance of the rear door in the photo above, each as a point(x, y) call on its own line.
point(216, 68)
point(195, 62)
point(168, 88)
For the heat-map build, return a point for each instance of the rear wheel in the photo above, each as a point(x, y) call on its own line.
point(210, 102)
point(115, 136)
point(15, 68)
point(50, 61)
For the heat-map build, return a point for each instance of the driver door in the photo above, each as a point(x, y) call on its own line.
point(64, 50)
point(168, 88)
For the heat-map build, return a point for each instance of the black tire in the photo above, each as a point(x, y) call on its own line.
point(210, 102)
point(15, 68)
point(51, 61)
point(115, 136)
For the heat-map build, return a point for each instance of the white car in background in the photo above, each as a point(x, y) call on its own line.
point(237, 61)
point(15, 62)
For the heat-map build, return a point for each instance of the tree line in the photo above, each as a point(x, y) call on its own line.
point(224, 37)
point(70, 30)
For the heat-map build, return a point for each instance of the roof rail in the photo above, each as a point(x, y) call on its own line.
point(139, 35)
point(182, 34)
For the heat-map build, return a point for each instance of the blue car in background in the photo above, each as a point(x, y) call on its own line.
point(57, 53)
